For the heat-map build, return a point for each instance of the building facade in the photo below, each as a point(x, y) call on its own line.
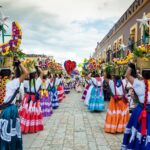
point(127, 31)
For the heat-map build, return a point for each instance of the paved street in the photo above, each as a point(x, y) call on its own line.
point(73, 127)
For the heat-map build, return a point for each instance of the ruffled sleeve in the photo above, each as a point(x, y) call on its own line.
point(139, 87)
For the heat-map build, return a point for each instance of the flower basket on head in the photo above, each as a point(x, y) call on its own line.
point(142, 55)
point(109, 68)
point(142, 63)
point(30, 65)
point(6, 62)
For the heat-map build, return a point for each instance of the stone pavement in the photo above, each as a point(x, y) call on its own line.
point(73, 127)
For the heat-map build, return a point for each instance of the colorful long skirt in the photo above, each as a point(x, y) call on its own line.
point(10, 135)
point(45, 103)
point(31, 115)
point(133, 138)
point(117, 116)
point(54, 97)
point(88, 95)
point(67, 89)
point(60, 93)
point(85, 91)
point(96, 102)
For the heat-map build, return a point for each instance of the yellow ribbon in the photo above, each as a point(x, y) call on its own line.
point(44, 93)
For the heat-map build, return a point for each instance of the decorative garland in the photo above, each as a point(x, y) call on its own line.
point(3, 83)
point(13, 44)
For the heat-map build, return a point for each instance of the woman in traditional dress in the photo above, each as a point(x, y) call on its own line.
point(45, 100)
point(67, 85)
point(10, 135)
point(96, 101)
point(60, 89)
point(53, 91)
point(30, 111)
point(78, 85)
point(137, 132)
point(118, 112)
point(88, 83)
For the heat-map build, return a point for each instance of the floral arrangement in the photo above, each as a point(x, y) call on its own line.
point(30, 64)
point(123, 61)
point(143, 52)
point(109, 68)
point(15, 41)
point(55, 67)
point(94, 64)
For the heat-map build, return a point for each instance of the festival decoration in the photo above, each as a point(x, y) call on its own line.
point(43, 62)
point(75, 72)
point(123, 61)
point(54, 67)
point(143, 21)
point(142, 56)
point(69, 66)
point(13, 44)
point(94, 64)
point(30, 65)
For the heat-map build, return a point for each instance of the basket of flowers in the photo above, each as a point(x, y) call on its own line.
point(142, 55)
point(30, 64)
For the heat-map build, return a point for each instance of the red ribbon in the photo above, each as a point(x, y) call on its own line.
point(142, 119)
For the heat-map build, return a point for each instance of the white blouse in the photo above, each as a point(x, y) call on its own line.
point(119, 90)
point(139, 87)
point(11, 87)
point(38, 83)
point(58, 81)
point(96, 82)
point(45, 84)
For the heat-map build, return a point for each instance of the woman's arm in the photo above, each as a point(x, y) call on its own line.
point(40, 71)
point(129, 76)
point(25, 73)
point(89, 76)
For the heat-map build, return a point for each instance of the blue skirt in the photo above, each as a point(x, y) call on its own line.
point(67, 89)
point(96, 102)
point(133, 139)
point(10, 131)
point(54, 97)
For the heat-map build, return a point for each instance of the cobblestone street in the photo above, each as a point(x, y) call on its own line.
point(73, 127)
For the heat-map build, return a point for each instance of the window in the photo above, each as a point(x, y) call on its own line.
point(134, 33)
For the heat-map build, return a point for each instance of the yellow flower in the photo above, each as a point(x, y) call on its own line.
point(146, 59)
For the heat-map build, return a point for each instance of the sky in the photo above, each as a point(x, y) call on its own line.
point(65, 29)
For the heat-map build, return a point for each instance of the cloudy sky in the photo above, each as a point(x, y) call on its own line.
point(65, 29)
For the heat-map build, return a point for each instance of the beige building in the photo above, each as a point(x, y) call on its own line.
point(126, 31)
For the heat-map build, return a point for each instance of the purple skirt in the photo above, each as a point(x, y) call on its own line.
point(46, 106)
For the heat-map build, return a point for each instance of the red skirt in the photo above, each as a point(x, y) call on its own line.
point(60, 93)
point(31, 115)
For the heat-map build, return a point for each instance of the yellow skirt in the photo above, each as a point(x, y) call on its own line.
point(117, 116)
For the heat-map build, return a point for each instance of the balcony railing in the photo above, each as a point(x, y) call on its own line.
point(120, 53)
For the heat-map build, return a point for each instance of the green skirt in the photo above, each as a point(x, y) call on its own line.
point(10, 131)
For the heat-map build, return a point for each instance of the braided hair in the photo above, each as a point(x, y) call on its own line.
point(4, 76)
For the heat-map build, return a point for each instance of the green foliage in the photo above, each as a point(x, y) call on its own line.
point(109, 68)
point(19, 54)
